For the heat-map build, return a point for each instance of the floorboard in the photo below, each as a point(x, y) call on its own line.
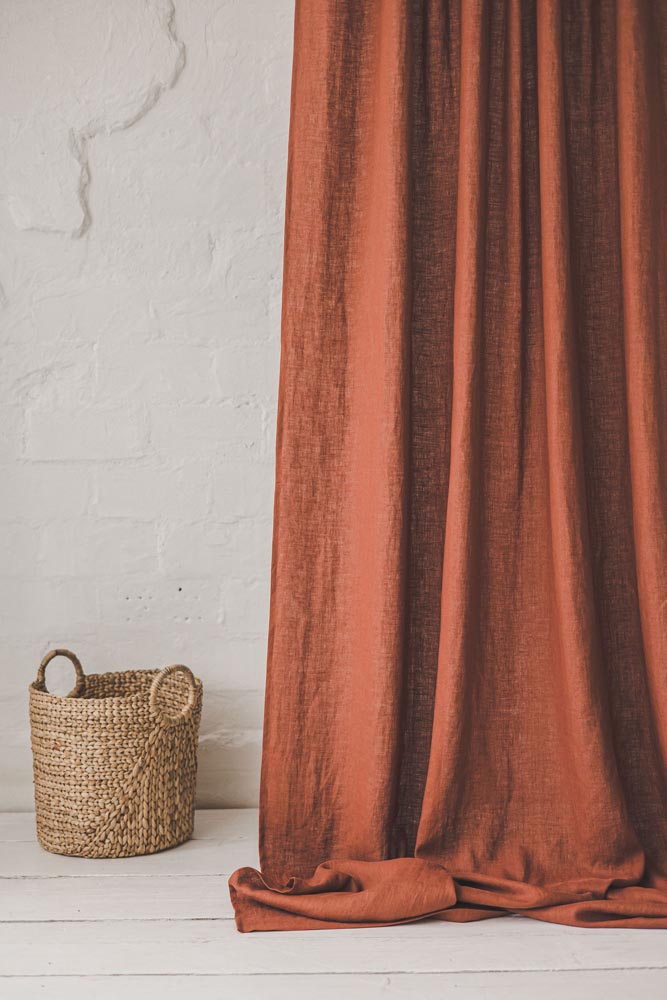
point(579, 985)
point(205, 947)
point(109, 897)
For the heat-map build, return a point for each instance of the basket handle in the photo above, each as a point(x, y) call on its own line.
point(80, 685)
point(186, 711)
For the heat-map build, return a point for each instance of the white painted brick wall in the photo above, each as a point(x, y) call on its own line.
point(142, 172)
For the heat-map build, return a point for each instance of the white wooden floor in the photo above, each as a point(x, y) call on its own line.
point(161, 927)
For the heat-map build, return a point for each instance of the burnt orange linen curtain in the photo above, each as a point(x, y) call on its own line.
point(466, 711)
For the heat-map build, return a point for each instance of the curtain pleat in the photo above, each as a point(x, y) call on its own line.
point(466, 710)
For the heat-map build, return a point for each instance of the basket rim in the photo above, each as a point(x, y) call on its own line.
point(35, 688)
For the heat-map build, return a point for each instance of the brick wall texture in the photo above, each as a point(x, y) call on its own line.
point(142, 172)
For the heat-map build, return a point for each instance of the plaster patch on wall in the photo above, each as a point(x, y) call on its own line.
point(88, 47)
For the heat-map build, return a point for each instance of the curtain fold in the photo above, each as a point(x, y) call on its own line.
point(466, 710)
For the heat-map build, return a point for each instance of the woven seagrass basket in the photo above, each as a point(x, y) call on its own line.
point(115, 761)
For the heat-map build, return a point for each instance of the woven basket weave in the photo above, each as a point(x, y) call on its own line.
point(115, 761)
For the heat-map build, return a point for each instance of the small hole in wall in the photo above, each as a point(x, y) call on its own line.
point(180, 589)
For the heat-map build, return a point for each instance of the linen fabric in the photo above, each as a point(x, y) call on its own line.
point(466, 710)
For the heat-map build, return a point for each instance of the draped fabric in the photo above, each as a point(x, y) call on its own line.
point(466, 710)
